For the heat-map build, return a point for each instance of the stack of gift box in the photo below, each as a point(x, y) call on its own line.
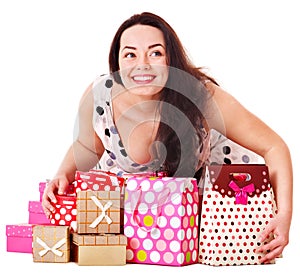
point(85, 228)
point(98, 239)
point(19, 235)
point(155, 220)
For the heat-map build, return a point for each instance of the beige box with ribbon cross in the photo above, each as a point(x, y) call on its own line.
point(98, 212)
point(51, 243)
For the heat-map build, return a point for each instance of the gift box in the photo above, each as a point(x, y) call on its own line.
point(65, 212)
point(98, 211)
point(19, 238)
point(36, 213)
point(42, 186)
point(237, 204)
point(51, 244)
point(161, 220)
point(99, 249)
point(97, 180)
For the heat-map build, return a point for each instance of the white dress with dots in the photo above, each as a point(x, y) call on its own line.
point(218, 149)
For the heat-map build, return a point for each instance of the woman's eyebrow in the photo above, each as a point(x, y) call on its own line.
point(128, 47)
point(156, 45)
point(150, 47)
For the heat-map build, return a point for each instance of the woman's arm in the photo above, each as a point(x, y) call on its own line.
point(229, 117)
point(83, 154)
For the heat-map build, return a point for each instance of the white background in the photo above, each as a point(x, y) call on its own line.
point(51, 50)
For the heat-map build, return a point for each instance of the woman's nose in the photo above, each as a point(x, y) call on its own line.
point(143, 63)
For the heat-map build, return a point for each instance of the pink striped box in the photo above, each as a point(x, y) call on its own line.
point(19, 238)
point(36, 213)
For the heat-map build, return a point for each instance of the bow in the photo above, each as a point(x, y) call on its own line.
point(53, 249)
point(241, 194)
point(103, 214)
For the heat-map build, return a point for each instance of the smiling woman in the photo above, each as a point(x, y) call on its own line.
point(142, 61)
point(156, 110)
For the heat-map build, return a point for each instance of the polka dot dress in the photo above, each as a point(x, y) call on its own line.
point(225, 151)
point(115, 158)
point(229, 229)
point(161, 221)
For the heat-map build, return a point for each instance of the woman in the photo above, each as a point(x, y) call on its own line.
point(156, 111)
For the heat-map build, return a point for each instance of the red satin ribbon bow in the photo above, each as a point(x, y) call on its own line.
point(241, 194)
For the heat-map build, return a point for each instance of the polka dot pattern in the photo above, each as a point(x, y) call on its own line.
point(161, 220)
point(19, 230)
point(225, 151)
point(229, 232)
point(36, 213)
point(97, 180)
point(65, 212)
point(105, 128)
point(19, 238)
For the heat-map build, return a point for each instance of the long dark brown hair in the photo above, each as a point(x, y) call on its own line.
point(183, 99)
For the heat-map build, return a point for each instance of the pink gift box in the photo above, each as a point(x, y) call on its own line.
point(19, 238)
point(42, 186)
point(36, 213)
point(161, 220)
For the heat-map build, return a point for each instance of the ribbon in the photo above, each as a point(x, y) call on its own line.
point(241, 194)
point(103, 214)
point(53, 249)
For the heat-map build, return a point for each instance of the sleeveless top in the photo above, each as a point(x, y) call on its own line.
point(115, 159)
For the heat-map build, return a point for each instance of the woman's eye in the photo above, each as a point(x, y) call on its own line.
point(129, 55)
point(156, 53)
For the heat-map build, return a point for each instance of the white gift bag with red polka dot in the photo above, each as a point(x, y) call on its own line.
point(237, 204)
point(161, 220)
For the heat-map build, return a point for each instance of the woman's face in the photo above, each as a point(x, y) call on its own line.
point(143, 61)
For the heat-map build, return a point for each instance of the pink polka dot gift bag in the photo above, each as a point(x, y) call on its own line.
point(161, 217)
point(237, 203)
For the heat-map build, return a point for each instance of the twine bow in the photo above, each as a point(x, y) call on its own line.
point(53, 249)
point(241, 194)
point(103, 214)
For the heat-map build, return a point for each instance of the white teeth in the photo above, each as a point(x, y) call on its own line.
point(143, 78)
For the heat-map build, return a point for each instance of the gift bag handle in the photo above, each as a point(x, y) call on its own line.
point(165, 193)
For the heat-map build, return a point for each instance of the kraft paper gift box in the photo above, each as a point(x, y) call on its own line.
point(161, 220)
point(237, 203)
point(65, 212)
point(99, 249)
point(51, 244)
point(98, 212)
point(19, 238)
point(36, 213)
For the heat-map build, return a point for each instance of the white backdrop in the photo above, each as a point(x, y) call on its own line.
point(51, 50)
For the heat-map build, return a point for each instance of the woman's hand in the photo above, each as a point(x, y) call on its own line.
point(279, 226)
point(58, 185)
